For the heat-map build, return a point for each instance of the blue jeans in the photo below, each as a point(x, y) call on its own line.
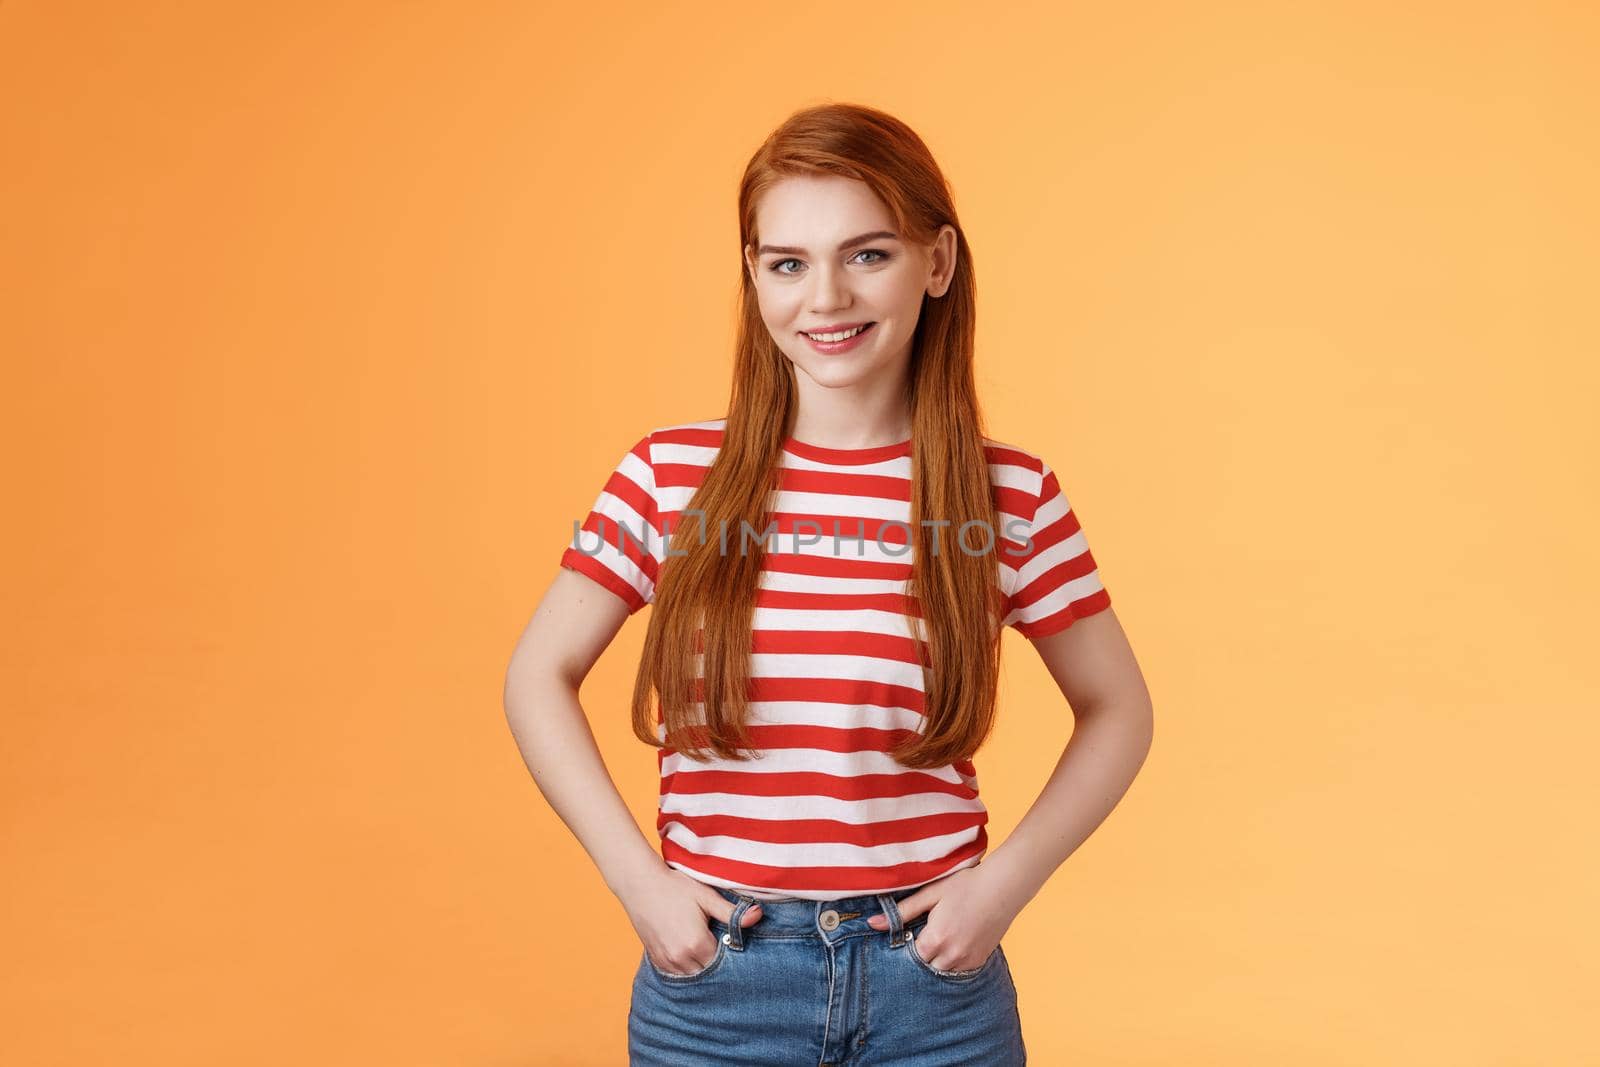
point(810, 984)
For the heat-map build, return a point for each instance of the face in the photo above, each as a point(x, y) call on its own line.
point(829, 262)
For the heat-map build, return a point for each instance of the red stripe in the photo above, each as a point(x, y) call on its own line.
point(1048, 581)
point(908, 783)
point(678, 475)
point(898, 603)
point(1060, 620)
point(826, 691)
point(871, 486)
point(844, 565)
point(1002, 456)
point(776, 736)
point(814, 879)
point(836, 643)
point(1013, 501)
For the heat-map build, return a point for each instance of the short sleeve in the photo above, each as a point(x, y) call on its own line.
point(615, 546)
point(1054, 582)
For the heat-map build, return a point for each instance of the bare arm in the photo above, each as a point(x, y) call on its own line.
point(1092, 663)
point(1095, 668)
point(573, 624)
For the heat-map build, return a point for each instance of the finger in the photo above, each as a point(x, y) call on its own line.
point(690, 961)
point(716, 904)
point(674, 963)
point(910, 908)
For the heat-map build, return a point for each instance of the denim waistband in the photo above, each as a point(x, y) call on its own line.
point(797, 915)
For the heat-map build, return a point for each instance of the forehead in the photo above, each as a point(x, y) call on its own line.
point(820, 210)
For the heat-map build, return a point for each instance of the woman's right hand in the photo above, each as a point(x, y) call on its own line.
point(670, 913)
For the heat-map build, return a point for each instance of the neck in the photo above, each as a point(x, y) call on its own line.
point(851, 418)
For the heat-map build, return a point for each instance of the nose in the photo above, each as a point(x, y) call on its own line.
point(829, 291)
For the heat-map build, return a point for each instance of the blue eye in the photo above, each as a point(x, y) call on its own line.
point(777, 267)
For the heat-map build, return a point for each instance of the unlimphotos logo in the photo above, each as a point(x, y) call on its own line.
point(1017, 540)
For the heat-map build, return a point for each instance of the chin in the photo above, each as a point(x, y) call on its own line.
point(833, 376)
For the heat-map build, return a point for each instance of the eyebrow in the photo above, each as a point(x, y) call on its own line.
point(876, 235)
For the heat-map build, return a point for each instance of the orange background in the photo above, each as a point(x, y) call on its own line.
point(322, 322)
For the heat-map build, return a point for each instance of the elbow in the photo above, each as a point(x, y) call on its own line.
point(1132, 716)
point(532, 681)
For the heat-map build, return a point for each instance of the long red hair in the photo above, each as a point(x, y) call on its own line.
point(705, 599)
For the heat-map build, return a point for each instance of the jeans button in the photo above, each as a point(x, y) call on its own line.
point(829, 919)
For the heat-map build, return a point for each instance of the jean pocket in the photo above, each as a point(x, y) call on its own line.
point(947, 976)
point(694, 976)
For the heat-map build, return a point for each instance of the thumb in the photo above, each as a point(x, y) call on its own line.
point(909, 909)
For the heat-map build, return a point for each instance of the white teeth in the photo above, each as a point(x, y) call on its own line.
point(831, 337)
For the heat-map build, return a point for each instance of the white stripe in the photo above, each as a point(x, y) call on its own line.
point(810, 713)
point(806, 713)
point(1068, 593)
point(860, 620)
point(804, 760)
point(791, 501)
point(830, 666)
point(788, 582)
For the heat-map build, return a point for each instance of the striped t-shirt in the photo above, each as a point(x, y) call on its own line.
point(824, 811)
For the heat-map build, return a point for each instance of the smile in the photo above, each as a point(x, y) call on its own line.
point(833, 342)
point(838, 335)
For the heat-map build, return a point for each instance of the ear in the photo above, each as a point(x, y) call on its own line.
point(943, 261)
point(750, 262)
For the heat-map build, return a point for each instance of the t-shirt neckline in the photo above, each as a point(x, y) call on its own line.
point(876, 454)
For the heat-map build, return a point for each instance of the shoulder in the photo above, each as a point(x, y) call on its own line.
point(1007, 457)
point(1014, 469)
point(696, 432)
point(1017, 475)
point(671, 440)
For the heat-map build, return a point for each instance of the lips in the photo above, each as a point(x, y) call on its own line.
point(833, 348)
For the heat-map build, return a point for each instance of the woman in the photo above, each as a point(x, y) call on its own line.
point(831, 563)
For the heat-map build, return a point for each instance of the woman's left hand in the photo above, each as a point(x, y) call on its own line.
point(966, 919)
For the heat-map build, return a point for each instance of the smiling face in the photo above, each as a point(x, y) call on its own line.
point(840, 289)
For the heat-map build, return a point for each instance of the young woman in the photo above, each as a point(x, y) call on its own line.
point(831, 564)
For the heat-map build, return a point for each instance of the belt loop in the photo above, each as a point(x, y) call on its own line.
point(734, 938)
point(897, 937)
